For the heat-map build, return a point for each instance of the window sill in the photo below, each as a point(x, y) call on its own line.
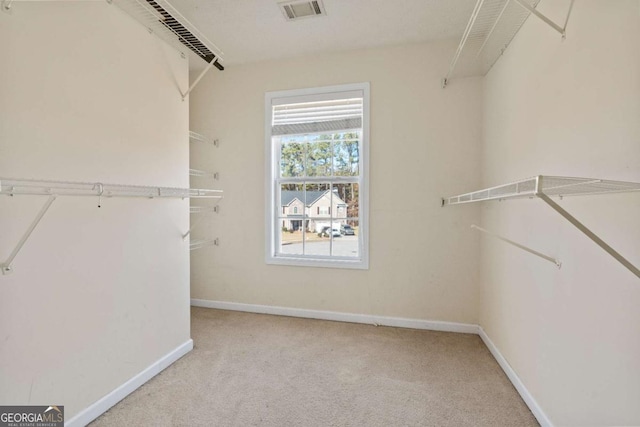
point(356, 264)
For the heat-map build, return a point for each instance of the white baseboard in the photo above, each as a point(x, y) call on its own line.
point(515, 380)
point(92, 412)
point(399, 322)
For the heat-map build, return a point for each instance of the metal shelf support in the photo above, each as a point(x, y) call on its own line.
point(196, 137)
point(6, 6)
point(197, 80)
point(6, 266)
point(591, 235)
point(558, 28)
point(199, 210)
point(199, 244)
point(201, 173)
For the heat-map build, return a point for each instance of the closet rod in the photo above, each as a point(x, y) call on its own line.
point(518, 245)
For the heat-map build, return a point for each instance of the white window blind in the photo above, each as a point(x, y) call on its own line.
point(319, 116)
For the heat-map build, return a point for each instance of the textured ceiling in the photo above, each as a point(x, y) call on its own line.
point(256, 30)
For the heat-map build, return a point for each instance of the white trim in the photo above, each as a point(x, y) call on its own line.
point(515, 380)
point(399, 322)
point(293, 261)
point(101, 406)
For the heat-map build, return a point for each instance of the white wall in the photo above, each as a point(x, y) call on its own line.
point(97, 295)
point(567, 108)
point(424, 144)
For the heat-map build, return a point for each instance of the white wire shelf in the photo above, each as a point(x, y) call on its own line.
point(53, 189)
point(544, 187)
point(205, 174)
point(491, 28)
point(196, 137)
point(203, 243)
point(10, 187)
point(559, 186)
point(204, 209)
point(162, 19)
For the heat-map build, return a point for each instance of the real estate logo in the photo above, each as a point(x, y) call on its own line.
point(32, 416)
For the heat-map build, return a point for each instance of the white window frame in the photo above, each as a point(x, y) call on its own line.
point(271, 183)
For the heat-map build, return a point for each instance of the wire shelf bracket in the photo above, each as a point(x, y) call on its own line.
point(6, 266)
point(164, 20)
point(544, 187)
point(53, 189)
point(6, 6)
point(199, 210)
point(206, 174)
point(195, 137)
point(491, 28)
point(202, 211)
point(199, 244)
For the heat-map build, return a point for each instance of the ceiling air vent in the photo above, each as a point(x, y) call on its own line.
point(298, 9)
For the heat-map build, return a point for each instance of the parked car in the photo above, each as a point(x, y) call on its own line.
point(347, 230)
point(326, 230)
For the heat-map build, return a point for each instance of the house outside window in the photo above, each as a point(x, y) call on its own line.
point(317, 176)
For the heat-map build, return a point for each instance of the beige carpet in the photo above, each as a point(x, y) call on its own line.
point(260, 370)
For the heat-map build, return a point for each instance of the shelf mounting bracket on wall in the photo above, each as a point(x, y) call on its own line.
point(591, 235)
point(6, 266)
point(6, 6)
point(562, 30)
point(543, 187)
point(199, 244)
point(199, 210)
point(197, 80)
point(196, 137)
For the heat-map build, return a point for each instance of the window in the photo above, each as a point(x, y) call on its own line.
point(317, 158)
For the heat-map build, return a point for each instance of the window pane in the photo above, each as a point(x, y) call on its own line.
point(317, 244)
point(348, 200)
point(318, 206)
point(348, 244)
point(319, 156)
point(292, 155)
point(290, 239)
point(346, 155)
point(291, 208)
